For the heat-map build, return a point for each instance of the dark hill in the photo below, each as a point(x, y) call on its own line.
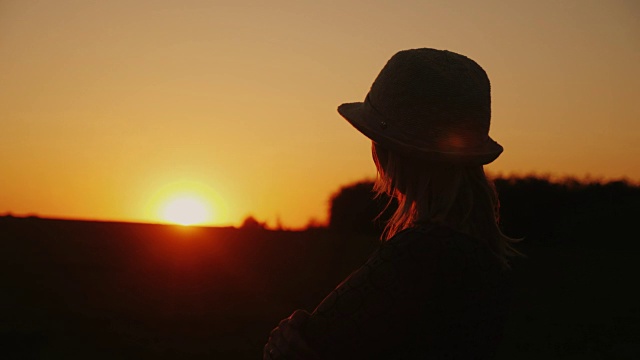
point(104, 290)
point(99, 290)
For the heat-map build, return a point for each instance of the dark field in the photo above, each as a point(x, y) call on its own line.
point(97, 290)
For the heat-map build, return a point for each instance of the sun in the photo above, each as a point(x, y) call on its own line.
point(187, 202)
point(186, 210)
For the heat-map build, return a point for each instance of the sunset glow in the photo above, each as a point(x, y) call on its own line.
point(187, 203)
point(187, 210)
point(104, 103)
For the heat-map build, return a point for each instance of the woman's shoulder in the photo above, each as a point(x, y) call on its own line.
point(452, 249)
point(434, 236)
point(414, 248)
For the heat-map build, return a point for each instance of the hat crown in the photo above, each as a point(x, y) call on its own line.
point(429, 104)
point(434, 98)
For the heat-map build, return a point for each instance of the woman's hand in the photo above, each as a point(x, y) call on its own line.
point(286, 342)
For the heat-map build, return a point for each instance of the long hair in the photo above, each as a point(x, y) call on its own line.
point(455, 195)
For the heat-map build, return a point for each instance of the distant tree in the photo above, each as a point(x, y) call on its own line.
point(250, 222)
point(279, 225)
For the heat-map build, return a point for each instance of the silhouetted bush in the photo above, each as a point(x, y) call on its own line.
point(355, 208)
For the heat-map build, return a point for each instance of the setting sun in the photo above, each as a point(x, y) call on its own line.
point(186, 210)
point(187, 202)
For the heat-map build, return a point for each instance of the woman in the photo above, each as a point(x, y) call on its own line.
point(438, 285)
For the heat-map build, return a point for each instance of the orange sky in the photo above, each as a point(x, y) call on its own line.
point(108, 107)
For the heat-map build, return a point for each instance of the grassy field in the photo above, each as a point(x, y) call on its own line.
point(104, 290)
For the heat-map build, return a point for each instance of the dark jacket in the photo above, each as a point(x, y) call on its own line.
point(428, 293)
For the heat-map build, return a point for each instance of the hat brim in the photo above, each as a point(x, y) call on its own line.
point(366, 122)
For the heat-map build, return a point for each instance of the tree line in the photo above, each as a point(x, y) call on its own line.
point(537, 209)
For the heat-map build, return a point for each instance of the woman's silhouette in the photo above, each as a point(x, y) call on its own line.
point(438, 286)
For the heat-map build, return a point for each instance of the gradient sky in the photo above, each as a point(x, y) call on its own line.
point(107, 107)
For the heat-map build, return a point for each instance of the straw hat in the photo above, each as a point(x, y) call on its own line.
point(431, 104)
